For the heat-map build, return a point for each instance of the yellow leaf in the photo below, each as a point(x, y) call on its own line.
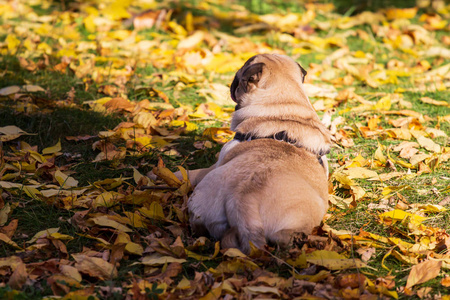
point(42, 234)
point(387, 191)
point(214, 293)
point(12, 261)
point(399, 133)
point(9, 90)
point(380, 289)
point(233, 252)
point(191, 41)
point(146, 119)
point(432, 208)
point(423, 272)
point(415, 159)
point(60, 236)
point(224, 63)
point(12, 43)
point(155, 211)
point(5, 211)
point(428, 144)
point(133, 219)
point(407, 259)
point(159, 142)
point(138, 176)
point(400, 215)
point(262, 290)
point(178, 29)
point(107, 199)
point(32, 88)
point(358, 172)
point(119, 34)
point(117, 10)
point(236, 265)
point(71, 272)
point(203, 257)
point(130, 247)
point(64, 180)
point(428, 100)
point(189, 126)
point(158, 260)
point(219, 135)
point(10, 132)
point(105, 221)
point(52, 149)
point(94, 266)
point(104, 242)
point(343, 178)
point(379, 154)
point(434, 133)
point(37, 156)
point(89, 23)
point(184, 173)
point(4, 238)
point(45, 48)
point(53, 192)
point(401, 13)
point(166, 175)
point(333, 260)
point(299, 262)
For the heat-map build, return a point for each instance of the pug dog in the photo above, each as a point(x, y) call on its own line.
point(270, 181)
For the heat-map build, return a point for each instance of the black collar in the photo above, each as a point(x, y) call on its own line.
point(279, 136)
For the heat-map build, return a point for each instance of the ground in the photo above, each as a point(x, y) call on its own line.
point(95, 95)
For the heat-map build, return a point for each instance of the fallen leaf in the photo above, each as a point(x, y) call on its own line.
point(11, 132)
point(18, 277)
point(156, 260)
point(366, 253)
point(6, 91)
point(428, 144)
point(428, 100)
point(333, 260)
point(54, 149)
point(423, 272)
point(65, 181)
point(94, 266)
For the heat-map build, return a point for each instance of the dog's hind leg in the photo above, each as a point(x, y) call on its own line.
point(206, 206)
point(245, 224)
point(234, 239)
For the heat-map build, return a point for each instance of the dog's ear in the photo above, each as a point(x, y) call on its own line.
point(233, 87)
point(303, 72)
point(250, 76)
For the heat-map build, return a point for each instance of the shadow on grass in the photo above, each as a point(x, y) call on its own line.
point(48, 128)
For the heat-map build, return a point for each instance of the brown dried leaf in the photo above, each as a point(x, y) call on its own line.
point(423, 272)
point(18, 277)
point(94, 266)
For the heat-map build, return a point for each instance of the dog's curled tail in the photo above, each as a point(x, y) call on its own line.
point(234, 239)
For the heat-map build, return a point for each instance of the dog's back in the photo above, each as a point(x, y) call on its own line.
point(271, 194)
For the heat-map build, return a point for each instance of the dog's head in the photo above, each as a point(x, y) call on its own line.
point(270, 98)
point(263, 71)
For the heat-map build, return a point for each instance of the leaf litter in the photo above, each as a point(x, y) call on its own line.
point(140, 244)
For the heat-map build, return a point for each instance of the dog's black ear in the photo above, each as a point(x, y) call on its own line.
point(251, 76)
point(303, 72)
point(233, 87)
point(235, 83)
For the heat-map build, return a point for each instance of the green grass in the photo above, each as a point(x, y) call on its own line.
point(52, 123)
